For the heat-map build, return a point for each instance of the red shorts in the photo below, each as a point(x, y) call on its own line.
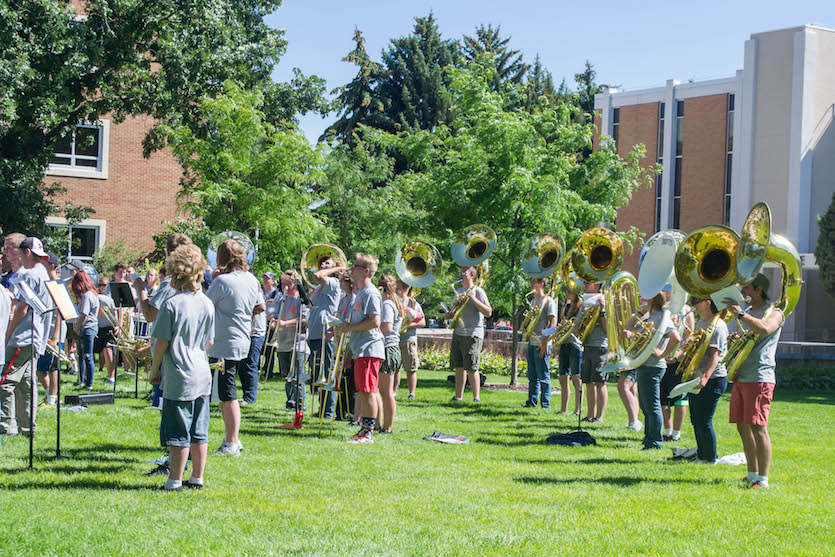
point(366, 374)
point(750, 403)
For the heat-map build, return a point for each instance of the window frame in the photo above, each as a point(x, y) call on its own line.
point(101, 171)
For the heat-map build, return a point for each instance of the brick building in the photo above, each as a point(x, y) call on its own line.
point(765, 134)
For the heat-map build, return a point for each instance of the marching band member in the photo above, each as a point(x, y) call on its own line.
point(539, 350)
point(346, 304)
point(674, 419)
point(712, 381)
point(324, 301)
point(56, 329)
point(594, 356)
point(272, 298)
point(650, 372)
point(87, 324)
point(367, 346)
point(25, 336)
point(184, 329)
point(106, 334)
point(257, 337)
point(287, 324)
point(408, 340)
point(391, 320)
point(571, 354)
point(236, 295)
point(468, 335)
point(754, 388)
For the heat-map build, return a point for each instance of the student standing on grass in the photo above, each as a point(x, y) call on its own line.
point(56, 330)
point(468, 335)
point(324, 301)
point(408, 340)
point(754, 388)
point(571, 355)
point(184, 330)
point(87, 324)
point(287, 324)
point(538, 349)
point(674, 409)
point(106, 336)
point(712, 382)
point(594, 356)
point(391, 319)
point(346, 306)
point(235, 294)
point(367, 345)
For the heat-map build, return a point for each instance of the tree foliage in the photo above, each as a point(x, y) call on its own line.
point(825, 250)
point(248, 175)
point(126, 57)
point(509, 64)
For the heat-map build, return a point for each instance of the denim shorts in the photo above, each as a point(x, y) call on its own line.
point(184, 422)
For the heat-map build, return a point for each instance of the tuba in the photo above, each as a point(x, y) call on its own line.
point(595, 257)
point(565, 327)
point(542, 259)
point(623, 292)
point(240, 237)
point(471, 248)
point(756, 246)
point(315, 255)
point(705, 263)
point(416, 264)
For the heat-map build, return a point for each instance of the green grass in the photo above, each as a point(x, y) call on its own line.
point(507, 493)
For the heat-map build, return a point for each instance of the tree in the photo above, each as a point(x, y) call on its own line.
point(539, 86)
point(509, 64)
point(587, 88)
point(250, 176)
point(825, 251)
point(158, 58)
point(520, 173)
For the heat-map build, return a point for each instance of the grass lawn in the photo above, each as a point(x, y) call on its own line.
point(507, 493)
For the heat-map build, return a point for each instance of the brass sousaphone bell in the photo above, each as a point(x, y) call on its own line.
point(542, 258)
point(240, 237)
point(471, 248)
point(313, 257)
point(596, 256)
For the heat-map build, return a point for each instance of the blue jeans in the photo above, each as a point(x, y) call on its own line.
point(649, 399)
point(539, 378)
point(702, 407)
point(87, 337)
point(249, 377)
point(320, 349)
point(284, 361)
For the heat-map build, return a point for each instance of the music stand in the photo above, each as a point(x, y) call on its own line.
point(63, 303)
point(122, 298)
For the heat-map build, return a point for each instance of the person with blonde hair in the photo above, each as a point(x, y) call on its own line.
point(367, 346)
point(185, 328)
point(287, 322)
point(235, 294)
point(408, 340)
point(391, 319)
point(468, 335)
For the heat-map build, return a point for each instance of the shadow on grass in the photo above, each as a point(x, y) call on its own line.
point(805, 397)
point(620, 481)
point(82, 483)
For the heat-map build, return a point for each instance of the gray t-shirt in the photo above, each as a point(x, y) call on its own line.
point(543, 319)
point(259, 322)
point(719, 340)
point(369, 343)
point(391, 315)
point(597, 337)
point(5, 310)
point(234, 296)
point(759, 366)
point(411, 333)
point(88, 307)
point(325, 300)
point(471, 323)
point(289, 311)
point(572, 338)
point(36, 278)
point(105, 301)
point(655, 318)
point(187, 321)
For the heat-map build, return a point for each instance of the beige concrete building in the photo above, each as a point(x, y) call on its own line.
point(765, 134)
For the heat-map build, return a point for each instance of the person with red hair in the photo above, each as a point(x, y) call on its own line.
point(87, 324)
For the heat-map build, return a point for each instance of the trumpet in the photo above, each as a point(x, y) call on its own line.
point(541, 259)
point(471, 248)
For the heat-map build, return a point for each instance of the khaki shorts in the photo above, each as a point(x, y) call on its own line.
point(409, 354)
point(464, 352)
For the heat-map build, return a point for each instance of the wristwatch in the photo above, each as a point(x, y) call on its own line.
point(742, 313)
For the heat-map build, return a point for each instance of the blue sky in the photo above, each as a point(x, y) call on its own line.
point(635, 44)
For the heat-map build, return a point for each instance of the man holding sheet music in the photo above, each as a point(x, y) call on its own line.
point(26, 334)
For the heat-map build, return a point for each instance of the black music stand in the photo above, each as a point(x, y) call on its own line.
point(63, 303)
point(122, 298)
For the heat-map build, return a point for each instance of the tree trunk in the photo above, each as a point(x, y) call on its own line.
point(514, 325)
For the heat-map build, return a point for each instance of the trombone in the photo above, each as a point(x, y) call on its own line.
point(471, 248)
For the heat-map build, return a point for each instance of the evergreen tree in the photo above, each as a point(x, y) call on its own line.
point(510, 66)
point(825, 252)
point(587, 88)
point(539, 85)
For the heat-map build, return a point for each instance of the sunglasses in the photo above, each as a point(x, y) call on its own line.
point(357, 266)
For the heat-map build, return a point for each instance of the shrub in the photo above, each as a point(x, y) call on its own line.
point(437, 358)
point(809, 379)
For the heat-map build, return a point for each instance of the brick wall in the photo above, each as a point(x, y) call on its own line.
point(139, 193)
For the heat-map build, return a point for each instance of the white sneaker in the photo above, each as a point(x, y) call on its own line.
point(228, 450)
point(635, 426)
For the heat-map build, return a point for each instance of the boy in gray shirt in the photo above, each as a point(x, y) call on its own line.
point(468, 335)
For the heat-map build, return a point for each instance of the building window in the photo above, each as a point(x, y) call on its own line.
point(82, 239)
point(615, 126)
point(729, 148)
point(81, 149)
point(678, 163)
point(659, 159)
point(83, 153)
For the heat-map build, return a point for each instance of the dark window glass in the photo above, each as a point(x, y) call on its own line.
point(615, 135)
point(679, 137)
point(730, 131)
point(616, 116)
point(64, 146)
point(679, 108)
point(730, 102)
point(87, 142)
point(676, 212)
point(727, 218)
point(60, 160)
point(661, 110)
point(658, 183)
point(657, 214)
point(728, 173)
point(677, 179)
point(83, 241)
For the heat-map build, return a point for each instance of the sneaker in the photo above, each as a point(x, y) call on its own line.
point(228, 450)
point(675, 439)
point(759, 485)
point(667, 438)
point(476, 400)
point(240, 446)
point(700, 461)
point(363, 439)
point(242, 402)
point(411, 397)
point(456, 399)
point(586, 419)
point(595, 421)
point(635, 426)
point(189, 485)
point(110, 382)
point(173, 490)
point(44, 405)
point(575, 414)
point(385, 432)
point(159, 470)
point(527, 405)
